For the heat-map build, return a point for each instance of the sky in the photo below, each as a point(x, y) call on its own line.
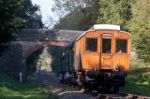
point(45, 7)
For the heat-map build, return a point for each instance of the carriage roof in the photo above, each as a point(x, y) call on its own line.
point(102, 27)
point(105, 27)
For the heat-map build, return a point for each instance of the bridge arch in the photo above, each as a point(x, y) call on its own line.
point(31, 50)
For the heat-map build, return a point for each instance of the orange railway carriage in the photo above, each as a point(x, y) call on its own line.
point(99, 57)
point(103, 48)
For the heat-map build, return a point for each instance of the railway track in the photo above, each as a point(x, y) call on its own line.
point(64, 91)
point(120, 95)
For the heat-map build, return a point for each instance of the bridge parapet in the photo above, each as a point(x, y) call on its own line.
point(34, 39)
point(47, 35)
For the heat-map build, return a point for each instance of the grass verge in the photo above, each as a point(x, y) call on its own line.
point(138, 79)
point(11, 89)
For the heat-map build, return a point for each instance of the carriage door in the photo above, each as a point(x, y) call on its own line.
point(106, 51)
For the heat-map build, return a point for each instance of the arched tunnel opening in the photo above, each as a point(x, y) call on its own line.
point(45, 59)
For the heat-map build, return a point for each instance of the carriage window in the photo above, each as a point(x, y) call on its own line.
point(121, 46)
point(106, 45)
point(91, 44)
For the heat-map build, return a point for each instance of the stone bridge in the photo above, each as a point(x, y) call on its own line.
point(13, 60)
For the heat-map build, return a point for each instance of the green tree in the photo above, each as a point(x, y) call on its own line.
point(81, 14)
point(65, 6)
point(139, 26)
point(8, 20)
point(15, 14)
point(30, 15)
point(115, 12)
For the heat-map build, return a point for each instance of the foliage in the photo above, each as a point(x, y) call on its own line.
point(81, 14)
point(65, 6)
point(30, 15)
point(138, 78)
point(115, 12)
point(17, 14)
point(137, 82)
point(8, 20)
point(11, 89)
point(47, 58)
point(56, 57)
point(140, 28)
point(137, 85)
point(32, 62)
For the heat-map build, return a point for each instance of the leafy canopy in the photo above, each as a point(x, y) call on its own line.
point(16, 14)
point(76, 14)
point(8, 20)
point(115, 12)
point(139, 26)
